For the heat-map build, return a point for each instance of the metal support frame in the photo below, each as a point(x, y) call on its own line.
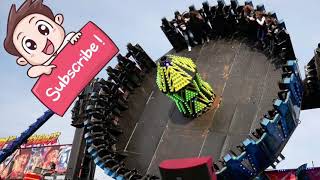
point(80, 166)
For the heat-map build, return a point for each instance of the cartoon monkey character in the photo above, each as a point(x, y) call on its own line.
point(35, 35)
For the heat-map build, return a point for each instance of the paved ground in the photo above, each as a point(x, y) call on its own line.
point(155, 130)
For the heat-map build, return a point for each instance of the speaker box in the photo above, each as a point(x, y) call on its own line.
point(188, 169)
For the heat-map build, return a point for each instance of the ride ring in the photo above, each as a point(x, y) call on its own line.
point(148, 128)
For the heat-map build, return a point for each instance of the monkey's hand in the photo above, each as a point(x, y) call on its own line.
point(36, 71)
point(75, 38)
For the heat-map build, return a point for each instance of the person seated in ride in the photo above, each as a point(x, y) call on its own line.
point(198, 27)
point(233, 17)
point(271, 24)
point(207, 13)
point(173, 34)
point(262, 27)
point(220, 19)
point(181, 24)
point(249, 21)
point(248, 13)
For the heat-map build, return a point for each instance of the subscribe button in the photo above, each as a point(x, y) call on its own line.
point(76, 65)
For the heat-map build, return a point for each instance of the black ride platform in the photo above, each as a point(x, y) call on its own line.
point(154, 129)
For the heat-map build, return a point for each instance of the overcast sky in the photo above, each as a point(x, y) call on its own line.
point(138, 22)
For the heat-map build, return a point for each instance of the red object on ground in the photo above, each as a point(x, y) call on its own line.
point(32, 176)
point(76, 65)
point(188, 165)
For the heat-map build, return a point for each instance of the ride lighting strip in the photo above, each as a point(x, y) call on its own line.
point(264, 152)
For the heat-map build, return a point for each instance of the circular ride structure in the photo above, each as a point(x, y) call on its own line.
point(245, 133)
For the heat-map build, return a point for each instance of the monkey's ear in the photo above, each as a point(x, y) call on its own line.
point(59, 19)
point(22, 61)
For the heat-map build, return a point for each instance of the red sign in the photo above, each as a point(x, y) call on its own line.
point(76, 65)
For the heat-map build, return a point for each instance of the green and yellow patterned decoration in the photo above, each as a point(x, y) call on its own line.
point(178, 78)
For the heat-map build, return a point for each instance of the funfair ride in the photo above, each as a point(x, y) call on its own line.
point(126, 126)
